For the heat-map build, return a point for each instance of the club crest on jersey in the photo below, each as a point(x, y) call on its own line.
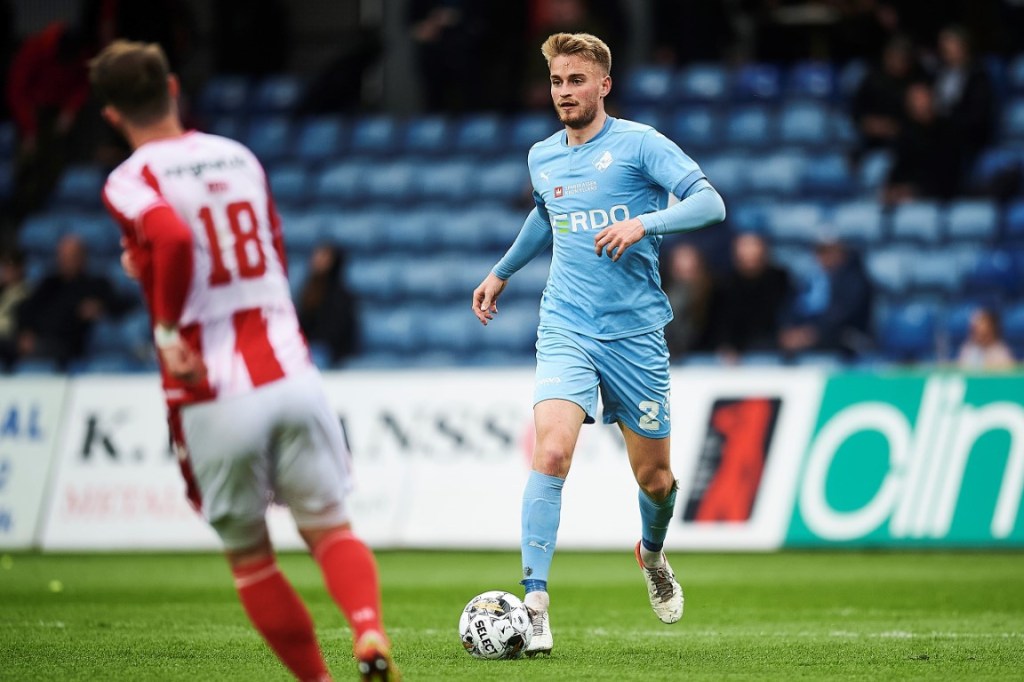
point(602, 163)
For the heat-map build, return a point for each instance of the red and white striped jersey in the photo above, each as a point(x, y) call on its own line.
point(235, 305)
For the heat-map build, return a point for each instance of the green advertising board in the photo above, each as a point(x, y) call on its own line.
point(914, 460)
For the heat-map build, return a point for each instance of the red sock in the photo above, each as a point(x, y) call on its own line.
point(350, 573)
point(280, 616)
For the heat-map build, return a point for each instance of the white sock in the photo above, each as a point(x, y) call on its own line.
point(537, 601)
point(651, 559)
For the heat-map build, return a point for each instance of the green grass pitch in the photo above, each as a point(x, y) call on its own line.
point(780, 616)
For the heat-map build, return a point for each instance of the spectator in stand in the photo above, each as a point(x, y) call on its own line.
point(47, 87)
point(55, 320)
point(13, 290)
point(751, 300)
point(964, 100)
point(251, 37)
point(834, 314)
point(327, 309)
point(925, 163)
point(690, 290)
point(984, 348)
point(879, 104)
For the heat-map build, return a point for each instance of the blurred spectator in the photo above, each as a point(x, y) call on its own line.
point(338, 86)
point(834, 315)
point(879, 103)
point(327, 309)
point(964, 99)
point(13, 290)
point(751, 300)
point(984, 348)
point(170, 23)
point(687, 32)
point(925, 162)
point(46, 89)
point(690, 288)
point(251, 37)
point(56, 318)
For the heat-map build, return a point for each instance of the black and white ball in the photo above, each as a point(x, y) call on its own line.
point(495, 625)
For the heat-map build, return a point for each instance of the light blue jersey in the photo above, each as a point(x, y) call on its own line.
point(626, 170)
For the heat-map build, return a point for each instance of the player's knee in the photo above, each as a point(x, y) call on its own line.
point(552, 460)
point(656, 482)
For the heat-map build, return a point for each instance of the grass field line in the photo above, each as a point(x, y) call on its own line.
point(711, 634)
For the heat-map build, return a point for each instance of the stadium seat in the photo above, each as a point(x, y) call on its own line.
point(298, 272)
point(648, 84)
point(873, 170)
point(289, 183)
point(389, 329)
point(694, 127)
point(228, 125)
point(956, 320)
point(1013, 325)
point(303, 231)
point(917, 221)
point(1015, 75)
point(513, 330)
point(779, 173)
point(1013, 120)
point(279, 94)
point(319, 138)
point(451, 328)
point(800, 222)
point(413, 230)
point(447, 179)
point(429, 281)
point(750, 125)
point(480, 133)
point(377, 279)
point(748, 215)
point(505, 178)
point(1014, 223)
point(40, 232)
point(528, 129)
point(812, 79)
point(80, 186)
point(98, 231)
point(842, 130)
point(528, 283)
point(376, 134)
point(888, 270)
point(850, 78)
point(362, 231)
point(827, 174)
point(728, 173)
point(702, 83)
point(858, 222)
point(934, 271)
point(225, 94)
point(997, 172)
point(907, 332)
point(426, 135)
point(648, 115)
point(482, 227)
point(993, 272)
point(805, 123)
point(397, 181)
point(340, 182)
point(972, 220)
point(269, 138)
point(757, 82)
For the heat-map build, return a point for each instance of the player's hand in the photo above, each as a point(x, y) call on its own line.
point(617, 237)
point(182, 363)
point(485, 297)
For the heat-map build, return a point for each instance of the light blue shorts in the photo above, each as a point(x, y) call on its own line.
point(632, 375)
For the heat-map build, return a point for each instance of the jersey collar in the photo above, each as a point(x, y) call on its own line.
point(604, 129)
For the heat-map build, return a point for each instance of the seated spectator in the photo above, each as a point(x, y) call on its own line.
point(689, 287)
point(925, 164)
point(327, 309)
point(984, 348)
point(834, 313)
point(13, 290)
point(56, 318)
point(878, 105)
point(751, 300)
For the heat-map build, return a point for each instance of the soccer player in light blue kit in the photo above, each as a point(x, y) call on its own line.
point(601, 188)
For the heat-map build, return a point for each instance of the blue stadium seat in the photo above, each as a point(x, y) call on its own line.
point(727, 172)
point(376, 134)
point(800, 222)
point(694, 127)
point(319, 138)
point(528, 283)
point(513, 330)
point(934, 270)
point(828, 174)
point(842, 130)
point(1013, 325)
point(446, 179)
point(298, 272)
point(528, 129)
point(480, 133)
point(757, 82)
point(361, 232)
point(648, 115)
point(779, 173)
point(907, 332)
point(377, 279)
point(100, 234)
point(277, 94)
point(806, 123)
point(40, 232)
point(269, 138)
point(705, 82)
point(850, 77)
point(389, 329)
point(427, 135)
point(1013, 119)
point(994, 272)
point(340, 182)
point(750, 125)
point(917, 221)
point(413, 230)
point(452, 328)
point(1014, 220)
point(506, 178)
point(303, 231)
point(748, 215)
point(858, 222)
point(228, 125)
point(998, 170)
point(480, 228)
point(972, 220)
point(79, 186)
point(811, 79)
point(1015, 74)
point(430, 280)
point(397, 181)
point(289, 183)
point(887, 267)
point(225, 94)
point(956, 321)
point(874, 169)
point(648, 84)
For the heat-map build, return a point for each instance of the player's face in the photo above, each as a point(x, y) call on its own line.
point(578, 89)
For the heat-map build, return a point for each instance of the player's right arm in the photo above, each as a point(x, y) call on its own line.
point(534, 237)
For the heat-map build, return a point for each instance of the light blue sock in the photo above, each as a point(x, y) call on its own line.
point(655, 518)
point(542, 507)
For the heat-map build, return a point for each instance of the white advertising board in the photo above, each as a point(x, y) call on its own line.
point(30, 421)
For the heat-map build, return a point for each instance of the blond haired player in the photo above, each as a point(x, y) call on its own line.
point(247, 410)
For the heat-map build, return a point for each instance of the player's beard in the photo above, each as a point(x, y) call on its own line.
point(578, 117)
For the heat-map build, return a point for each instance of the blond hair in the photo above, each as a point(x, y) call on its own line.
point(585, 45)
point(132, 78)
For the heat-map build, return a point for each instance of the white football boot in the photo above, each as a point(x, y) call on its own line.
point(665, 593)
point(537, 606)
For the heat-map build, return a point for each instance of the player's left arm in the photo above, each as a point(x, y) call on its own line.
point(666, 165)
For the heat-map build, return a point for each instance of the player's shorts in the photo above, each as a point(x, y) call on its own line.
point(280, 442)
point(632, 375)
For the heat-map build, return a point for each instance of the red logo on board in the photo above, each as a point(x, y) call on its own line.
point(559, 191)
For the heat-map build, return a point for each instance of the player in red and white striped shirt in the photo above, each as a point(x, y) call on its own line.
point(248, 413)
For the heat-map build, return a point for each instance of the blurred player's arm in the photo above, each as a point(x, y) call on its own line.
point(534, 237)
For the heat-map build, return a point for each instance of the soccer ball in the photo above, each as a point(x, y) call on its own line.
point(495, 625)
